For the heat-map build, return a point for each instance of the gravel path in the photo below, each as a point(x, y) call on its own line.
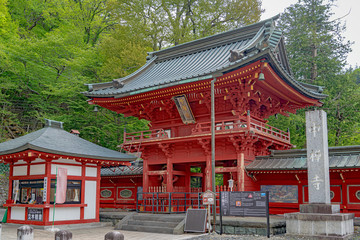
point(253, 237)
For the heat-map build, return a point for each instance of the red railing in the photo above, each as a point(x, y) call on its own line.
point(269, 130)
point(145, 135)
point(233, 125)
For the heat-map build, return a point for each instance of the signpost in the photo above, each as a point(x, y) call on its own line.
point(209, 199)
point(245, 204)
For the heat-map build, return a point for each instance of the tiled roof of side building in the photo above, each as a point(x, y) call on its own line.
point(121, 171)
point(296, 159)
point(200, 59)
point(53, 139)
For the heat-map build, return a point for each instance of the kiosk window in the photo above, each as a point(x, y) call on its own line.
point(29, 191)
point(73, 191)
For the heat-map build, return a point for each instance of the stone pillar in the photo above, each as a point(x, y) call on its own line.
point(317, 157)
point(25, 233)
point(63, 235)
point(319, 219)
point(114, 235)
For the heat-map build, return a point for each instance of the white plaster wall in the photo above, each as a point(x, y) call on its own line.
point(91, 172)
point(90, 200)
point(17, 213)
point(20, 162)
point(91, 164)
point(65, 213)
point(71, 170)
point(20, 170)
point(62, 160)
point(38, 160)
point(37, 169)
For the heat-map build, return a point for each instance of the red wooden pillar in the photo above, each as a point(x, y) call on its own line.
point(169, 176)
point(344, 196)
point(10, 191)
point(203, 181)
point(145, 176)
point(187, 178)
point(48, 190)
point(10, 188)
point(240, 171)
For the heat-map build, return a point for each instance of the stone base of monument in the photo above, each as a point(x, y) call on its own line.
point(320, 221)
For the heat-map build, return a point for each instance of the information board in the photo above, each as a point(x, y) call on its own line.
point(244, 204)
point(35, 214)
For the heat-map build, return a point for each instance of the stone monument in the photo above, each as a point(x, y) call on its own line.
point(319, 219)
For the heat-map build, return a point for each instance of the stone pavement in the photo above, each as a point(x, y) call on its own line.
point(9, 232)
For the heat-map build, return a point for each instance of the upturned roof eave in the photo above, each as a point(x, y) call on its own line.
point(251, 29)
point(267, 53)
point(183, 49)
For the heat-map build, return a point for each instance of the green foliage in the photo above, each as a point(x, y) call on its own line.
point(168, 22)
point(317, 53)
point(50, 48)
point(315, 44)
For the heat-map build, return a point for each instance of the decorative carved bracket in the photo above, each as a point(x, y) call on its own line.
point(167, 149)
point(206, 146)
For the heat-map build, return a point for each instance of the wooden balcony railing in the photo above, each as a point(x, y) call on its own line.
point(145, 135)
point(226, 126)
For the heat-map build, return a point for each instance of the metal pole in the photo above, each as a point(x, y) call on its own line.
point(213, 147)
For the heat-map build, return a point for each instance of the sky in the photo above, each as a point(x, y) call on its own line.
point(352, 33)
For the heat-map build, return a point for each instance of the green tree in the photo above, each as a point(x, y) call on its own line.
point(315, 43)
point(172, 22)
point(317, 52)
point(343, 108)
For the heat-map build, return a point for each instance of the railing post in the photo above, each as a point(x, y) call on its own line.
point(248, 119)
point(152, 203)
point(198, 200)
point(184, 204)
point(157, 202)
point(137, 203)
point(170, 202)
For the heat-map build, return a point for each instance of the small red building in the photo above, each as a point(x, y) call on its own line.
point(120, 185)
point(34, 160)
point(284, 175)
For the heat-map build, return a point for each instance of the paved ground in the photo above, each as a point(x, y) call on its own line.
point(9, 232)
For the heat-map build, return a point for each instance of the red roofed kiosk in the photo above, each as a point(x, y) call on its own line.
point(34, 160)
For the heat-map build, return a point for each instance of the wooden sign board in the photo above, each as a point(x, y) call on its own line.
point(208, 198)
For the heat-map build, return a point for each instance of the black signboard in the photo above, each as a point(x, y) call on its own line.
point(245, 204)
point(195, 220)
point(35, 214)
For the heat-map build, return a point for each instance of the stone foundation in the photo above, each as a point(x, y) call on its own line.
point(314, 223)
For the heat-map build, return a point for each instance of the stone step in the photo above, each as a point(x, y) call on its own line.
point(148, 229)
point(153, 223)
point(158, 218)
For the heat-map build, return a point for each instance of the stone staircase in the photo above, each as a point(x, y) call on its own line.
point(156, 223)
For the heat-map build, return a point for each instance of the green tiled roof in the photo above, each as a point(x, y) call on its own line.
point(296, 159)
point(53, 139)
point(200, 59)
